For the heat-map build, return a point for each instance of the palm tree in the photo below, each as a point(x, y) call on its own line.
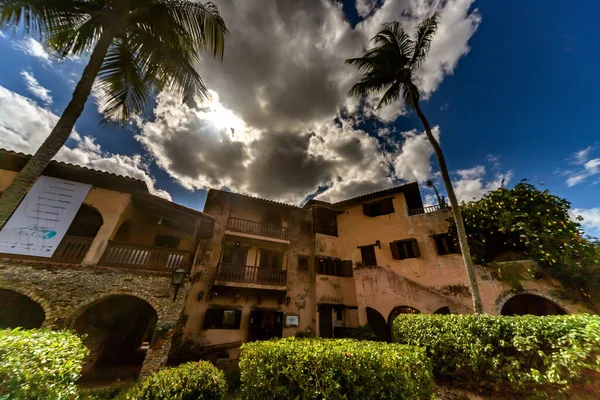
point(429, 183)
point(138, 48)
point(389, 67)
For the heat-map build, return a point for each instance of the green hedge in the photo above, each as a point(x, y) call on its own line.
point(494, 350)
point(295, 368)
point(188, 381)
point(39, 364)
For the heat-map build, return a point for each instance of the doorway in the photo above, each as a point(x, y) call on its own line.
point(325, 321)
point(265, 325)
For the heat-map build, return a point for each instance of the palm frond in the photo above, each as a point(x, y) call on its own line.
point(123, 89)
point(393, 34)
point(423, 38)
point(390, 95)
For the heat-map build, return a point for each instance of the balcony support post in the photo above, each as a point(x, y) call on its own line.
point(100, 242)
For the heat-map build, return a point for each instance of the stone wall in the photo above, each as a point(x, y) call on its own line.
point(65, 292)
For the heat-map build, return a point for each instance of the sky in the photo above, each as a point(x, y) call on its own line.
point(509, 86)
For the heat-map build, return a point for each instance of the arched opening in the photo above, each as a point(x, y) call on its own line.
point(443, 310)
point(377, 322)
point(400, 310)
point(124, 232)
point(118, 331)
point(19, 311)
point(87, 222)
point(523, 304)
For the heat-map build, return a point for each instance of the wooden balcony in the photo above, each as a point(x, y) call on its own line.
point(256, 228)
point(428, 209)
point(126, 255)
point(252, 275)
point(71, 250)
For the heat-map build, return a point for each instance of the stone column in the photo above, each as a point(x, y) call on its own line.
point(157, 354)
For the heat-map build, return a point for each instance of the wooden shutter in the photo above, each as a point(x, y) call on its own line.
point(395, 251)
point(368, 255)
point(415, 247)
point(238, 319)
point(347, 268)
point(387, 206)
point(367, 209)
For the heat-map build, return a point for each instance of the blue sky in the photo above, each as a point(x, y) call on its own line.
point(511, 86)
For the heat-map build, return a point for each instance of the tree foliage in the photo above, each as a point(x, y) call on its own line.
point(538, 226)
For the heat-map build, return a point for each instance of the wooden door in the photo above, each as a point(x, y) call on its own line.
point(325, 322)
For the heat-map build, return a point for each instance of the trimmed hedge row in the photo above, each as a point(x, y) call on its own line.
point(295, 368)
point(189, 381)
point(39, 364)
point(493, 350)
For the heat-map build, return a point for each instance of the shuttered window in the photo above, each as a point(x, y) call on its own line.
point(381, 207)
point(444, 244)
point(402, 249)
point(302, 263)
point(368, 256)
point(222, 318)
point(333, 266)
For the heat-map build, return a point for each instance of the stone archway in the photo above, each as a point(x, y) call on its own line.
point(401, 310)
point(87, 222)
point(118, 329)
point(530, 304)
point(18, 310)
point(377, 322)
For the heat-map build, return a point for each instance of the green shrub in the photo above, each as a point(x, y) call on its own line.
point(294, 368)
point(188, 381)
point(104, 392)
point(39, 364)
point(493, 350)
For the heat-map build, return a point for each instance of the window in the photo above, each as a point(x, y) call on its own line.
point(368, 255)
point(339, 314)
point(381, 207)
point(222, 318)
point(402, 249)
point(302, 263)
point(270, 259)
point(170, 242)
point(445, 244)
point(333, 266)
point(325, 221)
point(306, 228)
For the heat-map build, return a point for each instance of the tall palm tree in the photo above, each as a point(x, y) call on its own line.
point(389, 67)
point(138, 48)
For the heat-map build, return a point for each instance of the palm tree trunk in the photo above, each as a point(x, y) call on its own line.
point(17, 189)
point(460, 226)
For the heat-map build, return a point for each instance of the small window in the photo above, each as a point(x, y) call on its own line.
point(302, 263)
point(325, 221)
point(368, 256)
point(222, 318)
point(444, 244)
point(170, 242)
point(377, 208)
point(306, 228)
point(339, 314)
point(402, 249)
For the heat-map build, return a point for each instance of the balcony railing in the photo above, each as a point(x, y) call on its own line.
point(428, 209)
point(125, 255)
point(256, 228)
point(71, 250)
point(247, 274)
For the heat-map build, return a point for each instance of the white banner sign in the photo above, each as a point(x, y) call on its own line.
point(40, 222)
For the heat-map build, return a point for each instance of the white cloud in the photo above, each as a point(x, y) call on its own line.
point(365, 7)
point(413, 161)
point(584, 167)
point(591, 219)
point(471, 183)
point(34, 87)
point(34, 48)
point(24, 126)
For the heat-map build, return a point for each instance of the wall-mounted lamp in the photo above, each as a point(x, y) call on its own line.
point(237, 243)
point(378, 243)
point(200, 295)
point(178, 277)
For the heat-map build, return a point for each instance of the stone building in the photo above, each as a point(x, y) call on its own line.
point(111, 277)
point(272, 270)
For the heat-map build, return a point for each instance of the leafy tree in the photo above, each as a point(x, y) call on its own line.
point(389, 67)
point(138, 47)
point(539, 226)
